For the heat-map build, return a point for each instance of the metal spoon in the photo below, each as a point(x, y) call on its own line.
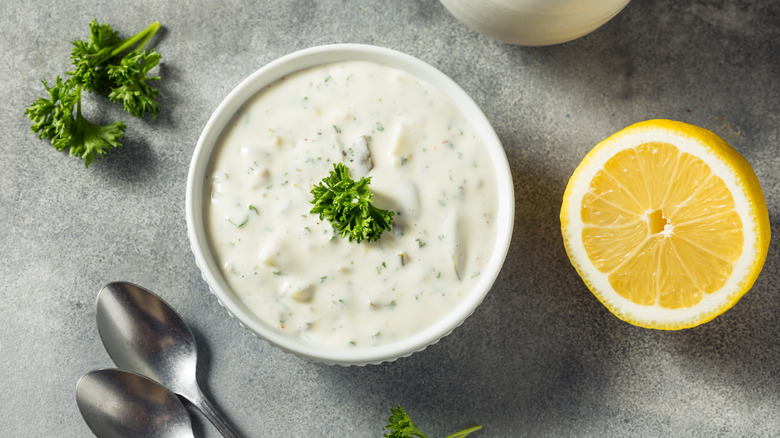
point(143, 334)
point(119, 404)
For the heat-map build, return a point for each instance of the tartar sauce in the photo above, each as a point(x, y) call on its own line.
point(426, 163)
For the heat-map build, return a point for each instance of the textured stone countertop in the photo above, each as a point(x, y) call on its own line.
point(540, 357)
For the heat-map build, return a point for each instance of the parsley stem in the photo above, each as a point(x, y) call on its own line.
point(152, 29)
point(142, 36)
point(78, 101)
point(465, 432)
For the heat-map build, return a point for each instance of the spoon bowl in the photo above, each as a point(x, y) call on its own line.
point(120, 404)
point(143, 334)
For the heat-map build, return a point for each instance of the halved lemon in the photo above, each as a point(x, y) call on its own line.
point(666, 224)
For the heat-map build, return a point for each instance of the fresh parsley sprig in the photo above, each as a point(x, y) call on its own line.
point(346, 204)
point(401, 426)
point(98, 68)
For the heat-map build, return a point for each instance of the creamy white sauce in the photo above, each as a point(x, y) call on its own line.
point(426, 163)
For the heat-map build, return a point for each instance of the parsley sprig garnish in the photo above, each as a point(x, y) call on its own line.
point(346, 204)
point(98, 68)
point(401, 426)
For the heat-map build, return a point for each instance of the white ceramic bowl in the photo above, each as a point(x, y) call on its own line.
point(195, 203)
point(534, 22)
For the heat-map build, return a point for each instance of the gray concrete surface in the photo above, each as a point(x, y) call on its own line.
point(541, 357)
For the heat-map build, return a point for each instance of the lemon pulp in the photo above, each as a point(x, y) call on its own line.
point(674, 215)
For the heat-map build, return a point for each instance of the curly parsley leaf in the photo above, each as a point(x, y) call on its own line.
point(97, 67)
point(89, 57)
point(132, 90)
point(347, 205)
point(59, 119)
point(401, 426)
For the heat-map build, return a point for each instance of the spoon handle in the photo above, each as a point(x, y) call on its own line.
point(208, 410)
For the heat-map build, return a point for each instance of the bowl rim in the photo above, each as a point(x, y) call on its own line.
point(310, 57)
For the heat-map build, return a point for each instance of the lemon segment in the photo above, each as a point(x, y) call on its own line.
point(666, 224)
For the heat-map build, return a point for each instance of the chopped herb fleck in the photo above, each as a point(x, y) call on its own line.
point(238, 225)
